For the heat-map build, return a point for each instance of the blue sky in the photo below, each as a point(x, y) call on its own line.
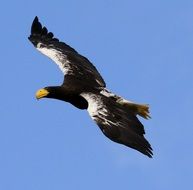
point(144, 51)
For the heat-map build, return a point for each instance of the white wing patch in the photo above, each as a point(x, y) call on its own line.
point(97, 109)
point(58, 57)
point(94, 103)
point(109, 94)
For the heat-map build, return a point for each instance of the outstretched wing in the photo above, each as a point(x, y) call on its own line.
point(117, 123)
point(78, 70)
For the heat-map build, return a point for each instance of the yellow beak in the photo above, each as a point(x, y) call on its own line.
point(41, 93)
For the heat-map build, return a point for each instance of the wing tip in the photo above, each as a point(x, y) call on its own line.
point(147, 149)
point(36, 18)
point(39, 33)
point(149, 152)
point(36, 26)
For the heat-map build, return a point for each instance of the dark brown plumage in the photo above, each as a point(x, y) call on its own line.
point(84, 88)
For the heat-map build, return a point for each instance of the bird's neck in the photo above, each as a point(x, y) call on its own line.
point(68, 95)
point(58, 92)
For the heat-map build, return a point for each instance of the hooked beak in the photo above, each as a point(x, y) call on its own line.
point(41, 93)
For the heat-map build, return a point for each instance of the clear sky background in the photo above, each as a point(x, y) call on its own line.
point(144, 51)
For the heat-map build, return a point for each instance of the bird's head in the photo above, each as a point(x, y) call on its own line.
point(60, 93)
point(47, 92)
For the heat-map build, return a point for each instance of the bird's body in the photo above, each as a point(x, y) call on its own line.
point(84, 88)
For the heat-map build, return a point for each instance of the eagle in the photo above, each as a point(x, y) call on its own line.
point(84, 88)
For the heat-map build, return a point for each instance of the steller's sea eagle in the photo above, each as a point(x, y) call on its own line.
point(84, 88)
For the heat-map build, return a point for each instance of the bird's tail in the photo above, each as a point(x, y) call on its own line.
point(138, 109)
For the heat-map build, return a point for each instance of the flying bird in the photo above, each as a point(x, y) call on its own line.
point(84, 88)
